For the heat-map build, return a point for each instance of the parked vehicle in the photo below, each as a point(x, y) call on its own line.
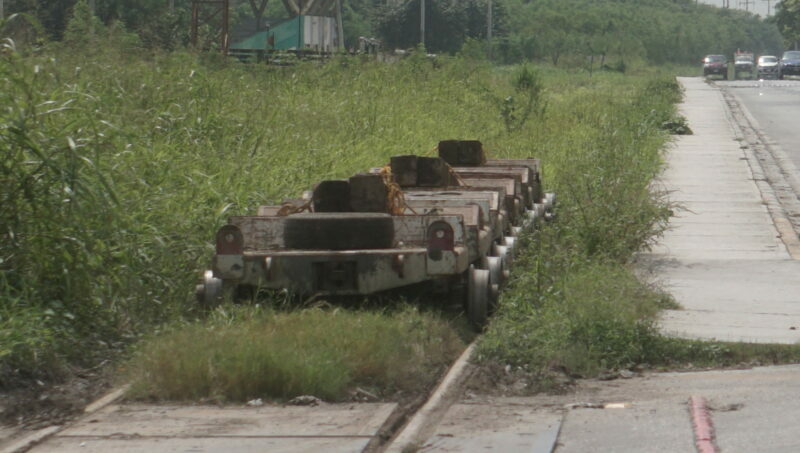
point(452, 220)
point(743, 63)
point(715, 65)
point(767, 66)
point(790, 64)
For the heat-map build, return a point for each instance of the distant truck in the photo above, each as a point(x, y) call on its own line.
point(715, 65)
point(743, 62)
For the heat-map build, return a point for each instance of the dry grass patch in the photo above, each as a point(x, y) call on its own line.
point(256, 353)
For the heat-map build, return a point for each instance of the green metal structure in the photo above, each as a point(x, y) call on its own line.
point(300, 33)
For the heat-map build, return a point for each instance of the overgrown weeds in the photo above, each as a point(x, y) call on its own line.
point(574, 304)
point(117, 170)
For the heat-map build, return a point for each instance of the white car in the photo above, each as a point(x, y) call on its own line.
point(767, 66)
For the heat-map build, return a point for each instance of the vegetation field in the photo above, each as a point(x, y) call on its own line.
point(118, 169)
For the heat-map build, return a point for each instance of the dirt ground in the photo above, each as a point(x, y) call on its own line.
point(38, 404)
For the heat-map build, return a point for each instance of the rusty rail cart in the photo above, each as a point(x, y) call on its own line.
point(452, 220)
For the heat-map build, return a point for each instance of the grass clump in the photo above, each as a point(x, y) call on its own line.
point(683, 353)
point(583, 318)
point(249, 353)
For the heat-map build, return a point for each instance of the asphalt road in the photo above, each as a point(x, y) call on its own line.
point(775, 104)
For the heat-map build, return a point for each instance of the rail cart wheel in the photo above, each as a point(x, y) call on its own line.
point(339, 231)
point(501, 251)
point(549, 201)
point(478, 297)
point(511, 243)
point(495, 267)
point(531, 217)
point(531, 196)
point(209, 293)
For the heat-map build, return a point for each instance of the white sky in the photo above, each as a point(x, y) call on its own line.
point(757, 6)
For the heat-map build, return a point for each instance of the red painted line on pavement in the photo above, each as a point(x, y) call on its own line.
point(703, 428)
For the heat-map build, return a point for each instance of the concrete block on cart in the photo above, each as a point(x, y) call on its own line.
point(332, 196)
point(420, 171)
point(339, 231)
point(404, 170)
point(368, 193)
point(462, 152)
point(432, 172)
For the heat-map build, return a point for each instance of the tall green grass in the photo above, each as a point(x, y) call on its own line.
point(117, 169)
point(574, 304)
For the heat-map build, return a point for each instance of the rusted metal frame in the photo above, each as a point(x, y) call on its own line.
point(223, 35)
point(495, 216)
point(362, 271)
point(513, 199)
point(537, 193)
point(523, 176)
point(265, 232)
point(372, 270)
point(307, 7)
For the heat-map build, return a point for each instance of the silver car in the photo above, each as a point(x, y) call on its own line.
point(767, 66)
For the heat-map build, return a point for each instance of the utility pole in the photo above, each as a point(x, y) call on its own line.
point(171, 5)
point(769, 7)
point(91, 10)
point(2, 13)
point(489, 28)
point(422, 23)
point(339, 26)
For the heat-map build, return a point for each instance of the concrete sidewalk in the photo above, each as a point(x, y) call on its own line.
point(750, 411)
point(723, 258)
point(139, 428)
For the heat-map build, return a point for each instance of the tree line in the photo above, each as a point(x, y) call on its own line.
point(612, 31)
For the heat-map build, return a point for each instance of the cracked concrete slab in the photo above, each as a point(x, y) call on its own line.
point(143, 428)
point(749, 408)
point(495, 425)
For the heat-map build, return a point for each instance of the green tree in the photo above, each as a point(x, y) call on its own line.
point(448, 23)
point(84, 27)
point(787, 18)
